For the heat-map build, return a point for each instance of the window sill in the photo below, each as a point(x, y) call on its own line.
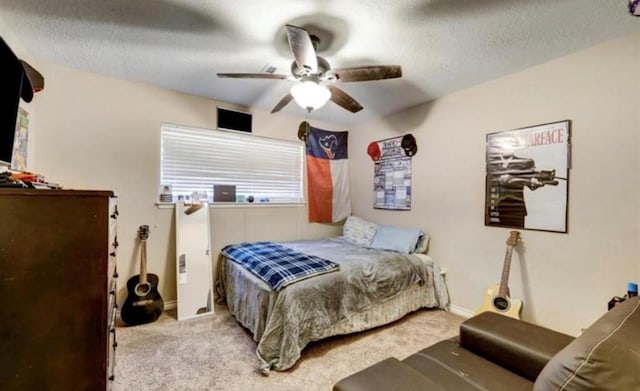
point(221, 205)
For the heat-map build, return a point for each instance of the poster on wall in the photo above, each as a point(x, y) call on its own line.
point(527, 177)
point(19, 157)
point(392, 175)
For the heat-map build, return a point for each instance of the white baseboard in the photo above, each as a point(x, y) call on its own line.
point(465, 313)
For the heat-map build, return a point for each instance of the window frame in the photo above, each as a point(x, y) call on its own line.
point(293, 178)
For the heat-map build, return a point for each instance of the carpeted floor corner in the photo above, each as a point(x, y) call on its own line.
point(215, 353)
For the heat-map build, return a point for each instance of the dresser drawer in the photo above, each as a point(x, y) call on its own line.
point(112, 305)
point(113, 218)
point(111, 357)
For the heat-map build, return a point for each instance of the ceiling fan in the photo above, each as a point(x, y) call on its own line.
point(316, 79)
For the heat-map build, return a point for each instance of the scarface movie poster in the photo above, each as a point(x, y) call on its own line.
point(527, 177)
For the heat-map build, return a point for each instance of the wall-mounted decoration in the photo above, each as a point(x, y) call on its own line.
point(327, 175)
point(20, 141)
point(527, 177)
point(303, 131)
point(392, 171)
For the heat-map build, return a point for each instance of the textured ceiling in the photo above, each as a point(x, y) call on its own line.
point(442, 45)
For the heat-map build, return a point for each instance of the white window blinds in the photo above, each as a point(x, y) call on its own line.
point(194, 159)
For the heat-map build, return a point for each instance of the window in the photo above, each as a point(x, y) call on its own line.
point(194, 159)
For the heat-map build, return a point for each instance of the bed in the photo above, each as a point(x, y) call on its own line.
point(372, 287)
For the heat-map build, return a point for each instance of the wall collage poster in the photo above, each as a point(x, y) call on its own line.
point(392, 175)
point(527, 177)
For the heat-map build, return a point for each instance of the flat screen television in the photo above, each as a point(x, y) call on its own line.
point(11, 78)
point(234, 120)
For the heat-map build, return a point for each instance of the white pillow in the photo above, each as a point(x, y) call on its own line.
point(359, 231)
point(404, 240)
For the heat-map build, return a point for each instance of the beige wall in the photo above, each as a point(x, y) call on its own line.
point(565, 280)
point(96, 132)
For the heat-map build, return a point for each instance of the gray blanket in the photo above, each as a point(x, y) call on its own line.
point(284, 322)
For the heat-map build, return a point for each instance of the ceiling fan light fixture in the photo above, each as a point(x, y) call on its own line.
point(310, 95)
point(316, 80)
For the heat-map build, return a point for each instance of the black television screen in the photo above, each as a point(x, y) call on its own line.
point(11, 81)
point(234, 120)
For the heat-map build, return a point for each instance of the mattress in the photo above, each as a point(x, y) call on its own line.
point(372, 287)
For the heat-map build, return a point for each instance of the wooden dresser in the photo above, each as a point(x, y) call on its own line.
point(58, 285)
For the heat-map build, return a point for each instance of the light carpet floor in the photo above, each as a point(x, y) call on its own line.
point(215, 353)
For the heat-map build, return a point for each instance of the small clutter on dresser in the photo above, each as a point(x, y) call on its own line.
point(25, 180)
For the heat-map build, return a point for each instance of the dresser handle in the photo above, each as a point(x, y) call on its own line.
point(115, 275)
point(113, 254)
point(112, 378)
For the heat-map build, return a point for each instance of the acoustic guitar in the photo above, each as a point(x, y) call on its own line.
point(496, 297)
point(144, 303)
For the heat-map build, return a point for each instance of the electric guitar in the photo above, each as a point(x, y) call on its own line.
point(496, 298)
point(144, 303)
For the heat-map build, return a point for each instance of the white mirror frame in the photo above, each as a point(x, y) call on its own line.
point(193, 261)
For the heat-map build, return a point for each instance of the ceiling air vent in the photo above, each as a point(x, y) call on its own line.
point(269, 69)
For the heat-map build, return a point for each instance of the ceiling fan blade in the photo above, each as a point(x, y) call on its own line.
point(283, 102)
point(302, 49)
point(375, 72)
point(343, 99)
point(253, 76)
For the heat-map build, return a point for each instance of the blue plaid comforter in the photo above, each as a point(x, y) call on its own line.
point(275, 264)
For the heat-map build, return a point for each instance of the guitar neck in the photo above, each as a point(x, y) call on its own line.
point(506, 268)
point(504, 280)
point(143, 261)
